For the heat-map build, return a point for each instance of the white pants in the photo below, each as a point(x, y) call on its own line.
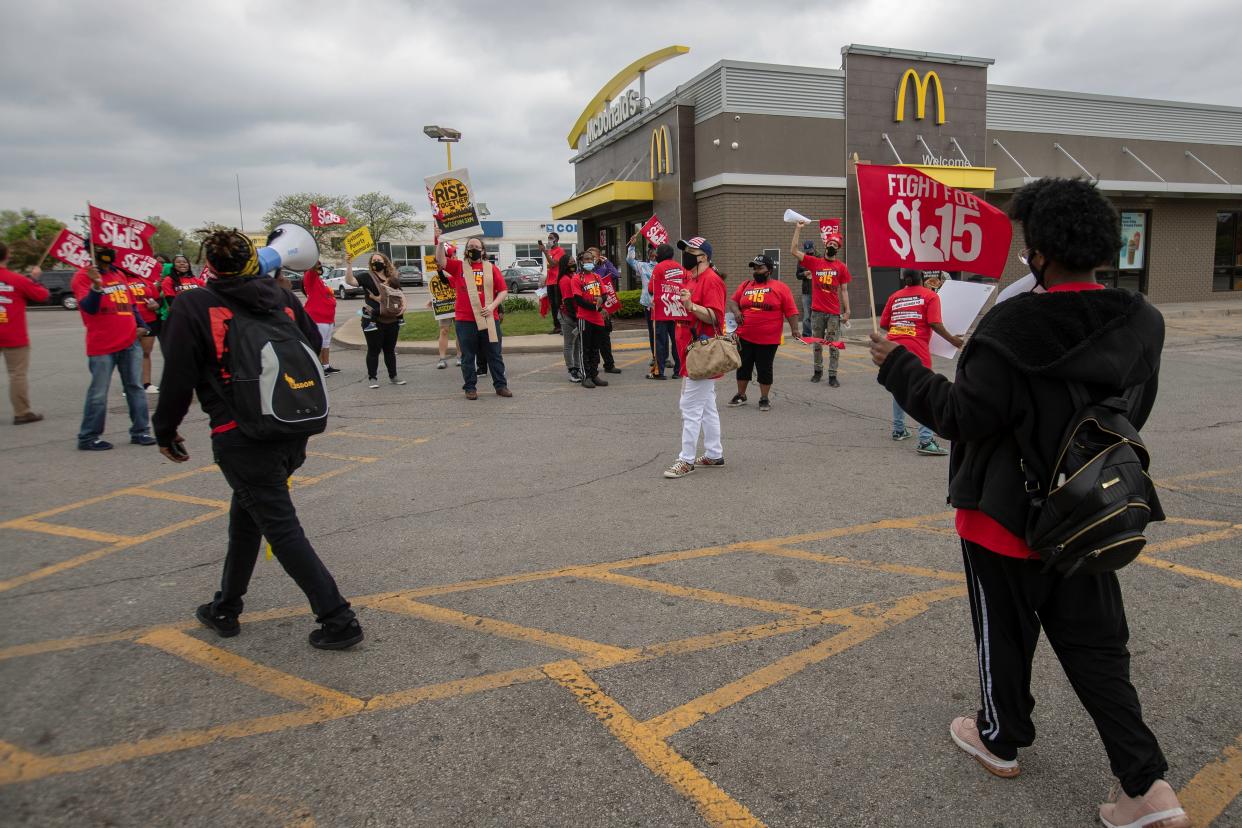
point(699, 413)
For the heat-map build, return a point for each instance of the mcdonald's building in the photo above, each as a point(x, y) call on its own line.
point(730, 149)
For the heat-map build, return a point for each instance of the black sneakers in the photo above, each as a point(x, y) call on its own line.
point(223, 625)
point(832, 381)
point(326, 639)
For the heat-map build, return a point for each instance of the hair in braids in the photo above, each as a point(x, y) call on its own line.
point(231, 253)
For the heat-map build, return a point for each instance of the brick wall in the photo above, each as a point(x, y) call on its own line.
point(1182, 243)
point(741, 224)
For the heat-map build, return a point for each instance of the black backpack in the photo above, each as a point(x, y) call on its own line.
point(269, 376)
point(1091, 514)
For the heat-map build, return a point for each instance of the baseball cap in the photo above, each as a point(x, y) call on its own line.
point(833, 240)
point(766, 261)
point(698, 242)
point(808, 246)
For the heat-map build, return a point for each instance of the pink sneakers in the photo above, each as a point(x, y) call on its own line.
point(1158, 808)
point(965, 734)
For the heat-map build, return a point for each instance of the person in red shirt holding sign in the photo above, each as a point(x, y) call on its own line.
point(112, 327)
point(910, 316)
point(145, 293)
point(477, 306)
point(761, 305)
point(830, 302)
point(321, 308)
point(667, 278)
point(571, 333)
point(588, 299)
point(702, 298)
point(552, 255)
point(15, 291)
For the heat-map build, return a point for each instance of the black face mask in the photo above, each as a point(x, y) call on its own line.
point(760, 277)
point(830, 252)
point(474, 254)
point(689, 260)
point(378, 267)
point(1038, 274)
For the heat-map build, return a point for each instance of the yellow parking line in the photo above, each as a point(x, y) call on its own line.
point(1189, 571)
point(696, 594)
point(857, 563)
point(67, 531)
point(1187, 541)
point(504, 629)
point(384, 438)
point(1197, 522)
point(688, 714)
point(1209, 792)
point(345, 457)
point(230, 665)
point(712, 803)
point(1201, 475)
point(141, 491)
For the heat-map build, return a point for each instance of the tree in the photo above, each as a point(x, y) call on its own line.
point(169, 240)
point(296, 208)
point(384, 215)
point(25, 247)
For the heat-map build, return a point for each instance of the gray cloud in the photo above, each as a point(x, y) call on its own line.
point(151, 108)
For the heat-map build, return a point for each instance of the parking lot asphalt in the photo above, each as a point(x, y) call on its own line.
point(558, 636)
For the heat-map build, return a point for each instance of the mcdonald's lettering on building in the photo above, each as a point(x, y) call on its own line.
point(723, 152)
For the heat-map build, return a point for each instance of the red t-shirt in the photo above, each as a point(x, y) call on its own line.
point(453, 267)
point(765, 306)
point(15, 291)
point(111, 328)
point(708, 290)
point(909, 315)
point(140, 290)
point(566, 286)
point(667, 279)
point(975, 526)
point(173, 287)
point(555, 254)
point(827, 276)
point(320, 300)
point(589, 287)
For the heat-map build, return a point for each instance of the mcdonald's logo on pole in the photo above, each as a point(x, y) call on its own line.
point(921, 86)
point(661, 152)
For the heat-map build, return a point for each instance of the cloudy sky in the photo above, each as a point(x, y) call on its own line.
point(150, 108)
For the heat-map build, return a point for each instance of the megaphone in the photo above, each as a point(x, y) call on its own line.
point(793, 217)
point(289, 245)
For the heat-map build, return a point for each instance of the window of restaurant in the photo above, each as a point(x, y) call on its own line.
point(407, 254)
point(1227, 264)
point(1130, 270)
point(528, 251)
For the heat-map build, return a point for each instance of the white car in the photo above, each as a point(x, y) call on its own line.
point(335, 279)
point(536, 263)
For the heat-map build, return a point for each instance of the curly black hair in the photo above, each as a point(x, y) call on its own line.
point(1069, 221)
point(228, 251)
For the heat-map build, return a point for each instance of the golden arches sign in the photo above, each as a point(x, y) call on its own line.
point(920, 95)
point(661, 152)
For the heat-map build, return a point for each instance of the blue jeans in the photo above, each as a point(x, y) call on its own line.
point(129, 362)
point(899, 424)
point(806, 314)
point(473, 341)
point(666, 345)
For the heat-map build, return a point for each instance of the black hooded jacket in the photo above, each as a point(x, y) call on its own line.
point(194, 337)
point(1010, 400)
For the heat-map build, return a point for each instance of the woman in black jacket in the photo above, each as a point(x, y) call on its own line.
point(1010, 402)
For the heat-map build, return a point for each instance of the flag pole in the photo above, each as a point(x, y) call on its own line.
point(862, 224)
point(46, 252)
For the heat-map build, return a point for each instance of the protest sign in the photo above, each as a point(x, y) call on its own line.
point(455, 214)
point(358, 242)
point(611, 303)
point(912, 220)
point(829, 227)
point(960, 303)
point(136, 264)
point(70, 248)
point(324, 218)
point(654, 232)
point(121, 233)
point(443, 297)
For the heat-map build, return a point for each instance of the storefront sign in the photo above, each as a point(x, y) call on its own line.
point(943, 161)
point(921, 84)
point(1133, 236)
point(455, 213)
point(912, 220)
point(661, 152)
point(560, 227)
point(611, 117)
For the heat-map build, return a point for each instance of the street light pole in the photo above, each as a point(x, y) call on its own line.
point(445, 135)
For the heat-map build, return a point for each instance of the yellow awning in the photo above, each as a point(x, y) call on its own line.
point(613, 191)
point(963, 178)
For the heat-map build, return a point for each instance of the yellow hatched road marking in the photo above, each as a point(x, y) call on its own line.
point(347, 457)
point(1209, 792)
point(1189, 571)
point(712, 803)
point(1187, 541)
point(230, 665)
point(1201, 475)
point(141, 491)
point(695, 593)
point(67, 531)
point(857, 563)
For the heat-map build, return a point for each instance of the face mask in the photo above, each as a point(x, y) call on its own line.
point(551, 242)
point(377, 266)
point(1038, 274)
point(830, 252)
point(474, 254)
point(761, 277)
point(105, 258)
point(689, 260)
point(588, 266)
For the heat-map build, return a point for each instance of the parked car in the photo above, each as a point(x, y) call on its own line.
point(518, 279)
point(59, 293)
point(335, 279)
point(537, 263)
point(410, 275)
point(295, 279)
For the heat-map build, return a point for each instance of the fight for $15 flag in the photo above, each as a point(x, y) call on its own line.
point(324, 218)
point(121, 233)
point(912, 220)
point(70, 248)
point(654, 231)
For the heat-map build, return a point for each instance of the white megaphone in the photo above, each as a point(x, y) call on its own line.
point(289, 245)
point(793, 217)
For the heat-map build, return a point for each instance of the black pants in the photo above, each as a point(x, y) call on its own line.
point(666, 345)
point(383, 338)
point(1085, 621)
point(554, 304)
point(593, 337)
point(258, 473)
point(756, 358)
point(605, 345)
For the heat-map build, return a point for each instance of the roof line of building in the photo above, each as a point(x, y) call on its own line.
point(1095, 96)
point(909, 54)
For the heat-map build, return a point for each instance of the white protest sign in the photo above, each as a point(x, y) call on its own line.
point(960, 303)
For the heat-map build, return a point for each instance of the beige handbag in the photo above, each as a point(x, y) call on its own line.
point(712, 357)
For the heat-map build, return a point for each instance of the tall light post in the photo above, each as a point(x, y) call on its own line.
point(446, 136)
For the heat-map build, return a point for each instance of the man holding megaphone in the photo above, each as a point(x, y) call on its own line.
point(247, 348)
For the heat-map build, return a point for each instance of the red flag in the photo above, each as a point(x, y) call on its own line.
point(912, 220)
point(121, 233)
point(324, 218)
point(654, 231)
point(136, 264)
point(829, 227)
point(611, 303)
point(70, 248)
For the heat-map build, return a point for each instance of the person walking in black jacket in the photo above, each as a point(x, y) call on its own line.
point(1010, 403)
point(258, 471)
